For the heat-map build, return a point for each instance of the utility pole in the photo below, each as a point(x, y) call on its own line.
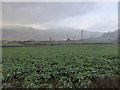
point(91, 35)
point(73, 40)
point(82, 35)
point(15, 38)
point(50, 39)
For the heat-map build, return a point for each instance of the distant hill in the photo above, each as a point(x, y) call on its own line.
point(119, 36)
point(108, 37)
point(28, 33)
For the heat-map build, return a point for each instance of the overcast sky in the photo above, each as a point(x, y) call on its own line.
point(99, 16)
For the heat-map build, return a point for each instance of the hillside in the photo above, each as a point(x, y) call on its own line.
point(28, 33)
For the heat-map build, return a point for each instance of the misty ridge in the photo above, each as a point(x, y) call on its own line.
point(28, 33)
point(20, 33)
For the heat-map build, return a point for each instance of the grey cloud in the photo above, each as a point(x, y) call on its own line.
point(42, 12)
point(104, 26)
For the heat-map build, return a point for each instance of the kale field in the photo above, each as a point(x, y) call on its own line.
point(61, 66)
